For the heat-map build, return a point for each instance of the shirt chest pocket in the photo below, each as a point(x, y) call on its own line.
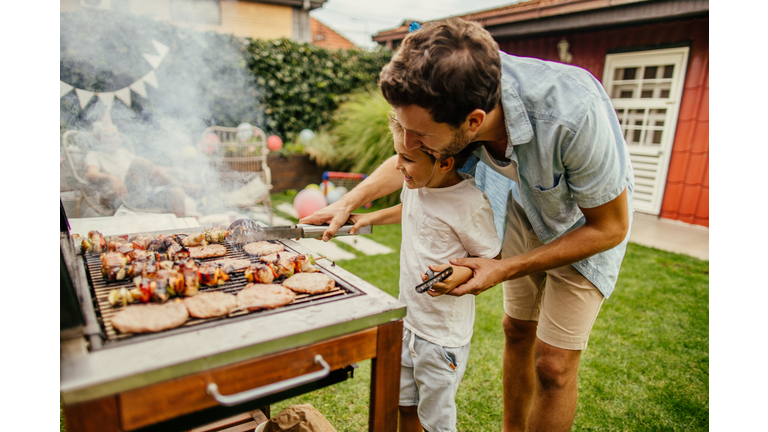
point(556, 202)
point(435, 236)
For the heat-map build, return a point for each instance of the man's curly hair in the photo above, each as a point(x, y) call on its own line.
point(449, 67)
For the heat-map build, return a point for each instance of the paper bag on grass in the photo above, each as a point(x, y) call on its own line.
point(299, 418)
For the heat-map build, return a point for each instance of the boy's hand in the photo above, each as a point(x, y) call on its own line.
point(460, 275)
point(360, 220)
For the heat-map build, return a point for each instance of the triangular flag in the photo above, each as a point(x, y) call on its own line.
point(161, 49)
point(124, 95)
point(139, 88)
point(153, 59)
point(151, 79)
point(84, 96)
point(65, 88)
point(108, 98)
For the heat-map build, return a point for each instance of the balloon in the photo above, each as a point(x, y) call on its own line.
point(335, 194)
point(308, 201)
point(274, 143)
point(312, 186)
point(209, 143)
point(326, 187)
point(306, 135)
point(244, 132)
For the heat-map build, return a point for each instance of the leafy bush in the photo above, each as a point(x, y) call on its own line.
point(358, 139)
point(303, 84)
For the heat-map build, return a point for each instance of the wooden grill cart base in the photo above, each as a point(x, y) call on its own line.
point(164, 382)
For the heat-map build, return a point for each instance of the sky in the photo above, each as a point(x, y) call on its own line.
point(359, 20)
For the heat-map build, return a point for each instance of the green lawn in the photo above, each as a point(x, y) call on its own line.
point(646, 368)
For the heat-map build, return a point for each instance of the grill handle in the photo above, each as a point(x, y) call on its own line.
point(269, 389)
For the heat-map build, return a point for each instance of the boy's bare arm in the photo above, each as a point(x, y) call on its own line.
point(385, 180)
point(387, 216)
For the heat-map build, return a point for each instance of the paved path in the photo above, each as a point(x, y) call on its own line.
point(670, 235)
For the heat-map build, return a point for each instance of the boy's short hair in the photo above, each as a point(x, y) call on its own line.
point(449, 67)
point(459, 159)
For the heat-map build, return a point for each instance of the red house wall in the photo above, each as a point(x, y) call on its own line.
point(686, 196)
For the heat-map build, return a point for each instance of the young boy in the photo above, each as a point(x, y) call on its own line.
point(443, 215)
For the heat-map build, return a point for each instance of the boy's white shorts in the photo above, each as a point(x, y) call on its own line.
point(430, 375)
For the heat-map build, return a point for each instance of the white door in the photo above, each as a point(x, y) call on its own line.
point(645, 88)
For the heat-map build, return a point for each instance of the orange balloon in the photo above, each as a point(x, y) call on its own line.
point(274, 143)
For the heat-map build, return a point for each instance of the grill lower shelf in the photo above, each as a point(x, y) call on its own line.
point(105, 311)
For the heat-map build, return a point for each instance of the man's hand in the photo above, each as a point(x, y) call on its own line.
point(486, 273)
point(335, 215)
point(459, 276)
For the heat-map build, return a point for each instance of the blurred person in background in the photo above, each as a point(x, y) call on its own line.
point(134, 179)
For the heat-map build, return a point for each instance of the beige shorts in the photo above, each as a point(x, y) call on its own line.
point(564, 302)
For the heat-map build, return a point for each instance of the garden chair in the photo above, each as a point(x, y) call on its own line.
point(239, 158)
point(74, 146)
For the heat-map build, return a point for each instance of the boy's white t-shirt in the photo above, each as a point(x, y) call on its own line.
point(439, 224)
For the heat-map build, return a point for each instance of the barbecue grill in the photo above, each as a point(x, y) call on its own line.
point(210, 369)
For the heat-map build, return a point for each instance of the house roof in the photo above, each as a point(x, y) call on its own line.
point(326, 37)
point(538, 16)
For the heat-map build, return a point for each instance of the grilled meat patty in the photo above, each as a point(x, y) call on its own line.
point(210, 304)
point(148, 318)
point(262, 248)
point(309, 283)
point(256, 296)
point(214, 250)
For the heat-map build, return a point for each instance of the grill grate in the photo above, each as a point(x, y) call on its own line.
point(237, 282)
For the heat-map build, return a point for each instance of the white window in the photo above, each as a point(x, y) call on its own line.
point(645, 88)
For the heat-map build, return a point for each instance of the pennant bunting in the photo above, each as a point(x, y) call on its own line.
point(161, 49)
point(153, 59)
point(151, 79)
point(65, 88)
point(107, 97)
point(139, 88)
point(124, 95)
point(84, 96)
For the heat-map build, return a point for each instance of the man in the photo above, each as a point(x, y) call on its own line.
point(551, 129)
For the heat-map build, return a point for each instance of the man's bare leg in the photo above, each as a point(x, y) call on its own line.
point(518, 375)
point(409, 419)
point(556, 388)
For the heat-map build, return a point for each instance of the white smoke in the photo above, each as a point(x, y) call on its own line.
point(202, 81)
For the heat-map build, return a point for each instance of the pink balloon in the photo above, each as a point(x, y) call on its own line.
point(274, 143)
point(308, 201)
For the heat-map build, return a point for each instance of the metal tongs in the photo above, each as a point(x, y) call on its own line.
point(246, 231)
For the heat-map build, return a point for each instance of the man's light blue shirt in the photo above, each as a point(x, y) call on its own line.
point(567, 144)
